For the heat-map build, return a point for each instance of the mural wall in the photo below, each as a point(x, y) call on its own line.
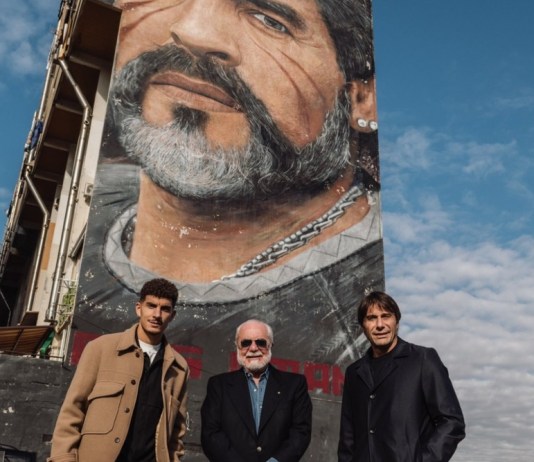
point(240, 161)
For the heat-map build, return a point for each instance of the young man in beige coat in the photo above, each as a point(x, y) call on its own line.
point(127, 400)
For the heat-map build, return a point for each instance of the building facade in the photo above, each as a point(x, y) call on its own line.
point(231, 150)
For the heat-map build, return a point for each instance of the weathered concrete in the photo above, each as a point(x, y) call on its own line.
point(31, 393)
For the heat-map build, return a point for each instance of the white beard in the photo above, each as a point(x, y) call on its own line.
point(257, 365)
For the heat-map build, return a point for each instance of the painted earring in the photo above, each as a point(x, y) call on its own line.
point(362, 123)
point(371, 124)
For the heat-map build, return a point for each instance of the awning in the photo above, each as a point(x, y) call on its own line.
point(23, 340)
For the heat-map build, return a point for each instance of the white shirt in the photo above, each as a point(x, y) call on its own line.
point(150, 350)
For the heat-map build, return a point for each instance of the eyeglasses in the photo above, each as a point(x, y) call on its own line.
point(260, 343)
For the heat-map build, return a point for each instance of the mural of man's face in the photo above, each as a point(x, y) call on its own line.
point(230, 98)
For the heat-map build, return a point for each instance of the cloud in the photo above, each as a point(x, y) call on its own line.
point(415, 149)
point(406, 229)
point(520, 178)
point(23, 58)
point(485, 188)
point(523, 100)
point(4, 192)
point(26, 32)
point(482, 159)
point(410, 149)
point(475, 305)
point(5, 199)
point(463, 277)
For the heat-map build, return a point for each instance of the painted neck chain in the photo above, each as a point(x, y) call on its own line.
point(299, 238)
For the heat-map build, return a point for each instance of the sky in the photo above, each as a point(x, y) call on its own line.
point(455, 86)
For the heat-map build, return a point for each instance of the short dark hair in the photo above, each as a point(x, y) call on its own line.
point(160, 288)
point(350, 25)
point(380, 299)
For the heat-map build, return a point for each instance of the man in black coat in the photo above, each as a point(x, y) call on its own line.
point(258, 413)
point(399, 404)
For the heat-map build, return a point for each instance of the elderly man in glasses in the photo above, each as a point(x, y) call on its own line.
point(257, 413)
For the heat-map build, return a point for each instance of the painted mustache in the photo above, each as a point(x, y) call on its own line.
point(221, 82)
point(178, 157)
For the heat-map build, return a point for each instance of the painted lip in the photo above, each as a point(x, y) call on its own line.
point(194, 93)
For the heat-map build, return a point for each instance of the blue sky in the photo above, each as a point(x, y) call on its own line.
point(456, 112)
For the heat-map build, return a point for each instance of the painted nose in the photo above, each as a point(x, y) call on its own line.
point(208, 28)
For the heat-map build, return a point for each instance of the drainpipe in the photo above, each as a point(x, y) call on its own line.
point(42, 238)
point(26, 182)
point(71, 202)
point(30, 160)
point(8, 308)
point(38, 118)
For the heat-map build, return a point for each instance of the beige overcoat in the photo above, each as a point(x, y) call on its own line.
point(95, 416)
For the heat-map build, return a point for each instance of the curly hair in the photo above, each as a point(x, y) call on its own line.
point(160, 288)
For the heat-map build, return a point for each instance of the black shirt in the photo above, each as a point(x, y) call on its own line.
point(140, 444)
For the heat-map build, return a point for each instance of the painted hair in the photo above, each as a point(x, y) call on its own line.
point(350, 25)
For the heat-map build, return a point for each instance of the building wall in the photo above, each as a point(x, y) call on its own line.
point(32, 389)
point(174, 221)
point(31, 392)
point(308, 295)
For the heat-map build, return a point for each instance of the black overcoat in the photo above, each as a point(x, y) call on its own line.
point(410, 414)
point(228, 431)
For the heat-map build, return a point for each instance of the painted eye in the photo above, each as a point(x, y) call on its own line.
point(271, 23)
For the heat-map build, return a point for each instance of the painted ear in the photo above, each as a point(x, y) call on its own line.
point(362, 95)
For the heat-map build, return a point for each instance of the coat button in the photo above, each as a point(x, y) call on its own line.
point(117, 440)
point(137, 354)
point(373, 396)
point(133, 382)
point(372, 432)
point(127, 410)
point(258, 449)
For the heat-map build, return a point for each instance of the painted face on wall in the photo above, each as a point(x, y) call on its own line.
point(226, 98)
point(281, 49)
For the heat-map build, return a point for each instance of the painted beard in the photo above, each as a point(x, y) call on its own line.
point(179, 158)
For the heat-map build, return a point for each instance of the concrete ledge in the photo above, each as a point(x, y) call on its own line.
point(31, 393)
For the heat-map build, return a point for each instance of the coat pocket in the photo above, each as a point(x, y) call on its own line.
point(102, 407)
